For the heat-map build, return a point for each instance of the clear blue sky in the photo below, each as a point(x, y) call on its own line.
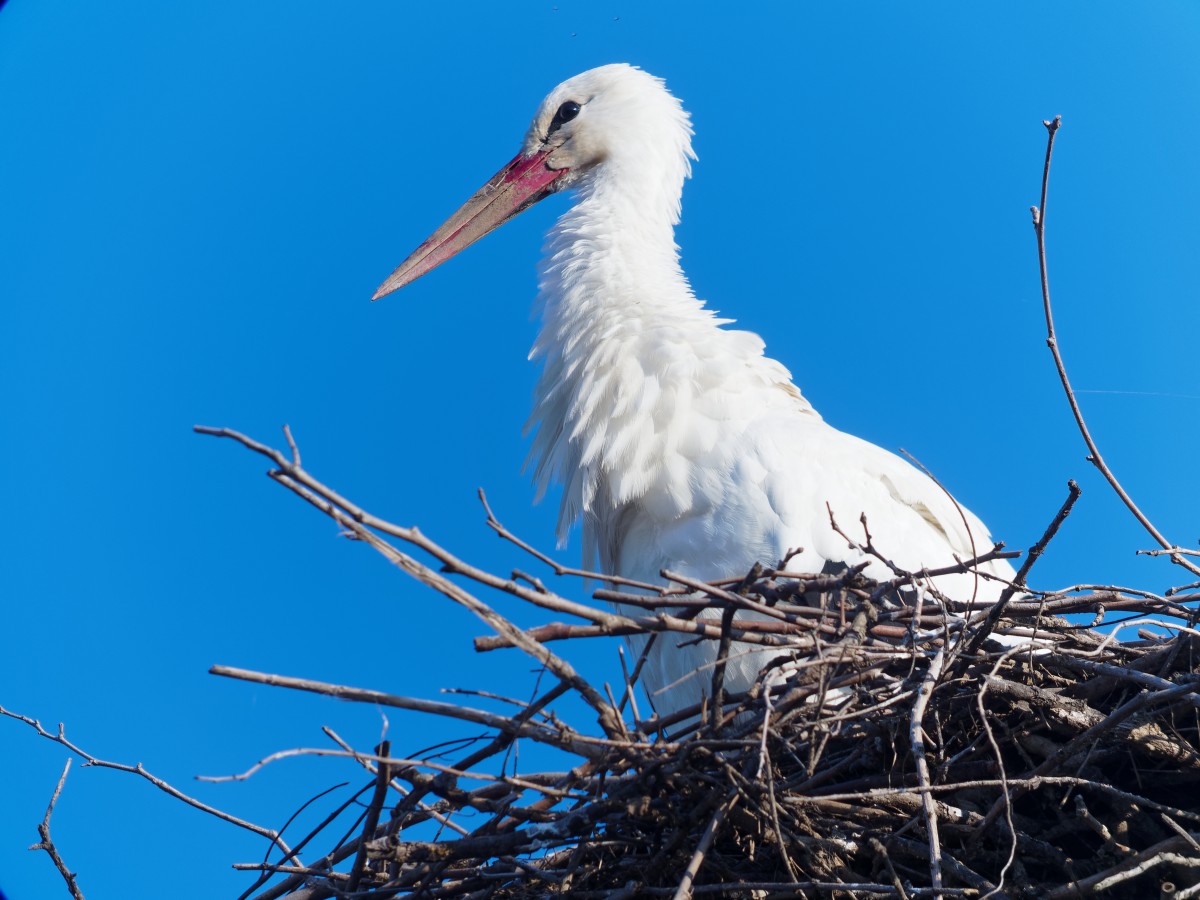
point(197, 200)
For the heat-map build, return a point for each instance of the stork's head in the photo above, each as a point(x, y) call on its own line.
point(612, 119)
point(614, 113)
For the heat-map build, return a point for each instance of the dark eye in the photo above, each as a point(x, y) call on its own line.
point(566, 113)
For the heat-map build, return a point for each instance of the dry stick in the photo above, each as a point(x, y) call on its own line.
point(629, 695)
point(765, 761)
point(1182, 831)
point(405, 763)
point(718, 675)
point(880, 851)
point(963, 873)
point(559, 569)
point(684, 891)
point(916, 736)
point(1111, 598)
point(993, 614)
point(1094, 457)
point(139, 769)
point(1101, 830)
point(718, 593)
point(48, 845)
point(580, 745)
point(559, 631)
point(383, 778)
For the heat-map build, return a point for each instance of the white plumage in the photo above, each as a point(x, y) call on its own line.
point(678, 443)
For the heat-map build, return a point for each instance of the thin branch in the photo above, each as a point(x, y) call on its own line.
point(47, 843)
point(916, 736)
point(382, 780)
point(686, 883)
point(559, 569)
point(61, 738)
point(1035, 552)
point(1039, 227)
point(558, 737)
point(1182, 551)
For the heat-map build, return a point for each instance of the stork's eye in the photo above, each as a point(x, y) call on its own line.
point(566, 113)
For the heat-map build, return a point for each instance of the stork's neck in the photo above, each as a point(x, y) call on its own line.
point(637, 370)
point(613, 256)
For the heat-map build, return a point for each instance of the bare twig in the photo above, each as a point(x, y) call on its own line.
point(1035, 552)
point(140, 770)
point(558, 737)
point(559, 569)
point(371, 822)
point(47, 844)
point(916, 736)
point(686, 883)
point(1039, 227)
point(1170, 551)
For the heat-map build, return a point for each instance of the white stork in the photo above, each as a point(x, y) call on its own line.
point(677, 442)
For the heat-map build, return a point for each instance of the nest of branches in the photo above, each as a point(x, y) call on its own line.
point(891, 749)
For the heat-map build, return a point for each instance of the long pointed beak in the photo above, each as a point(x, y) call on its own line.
point(512, 190)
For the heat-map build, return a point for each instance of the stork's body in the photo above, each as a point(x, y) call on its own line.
point(677, 442)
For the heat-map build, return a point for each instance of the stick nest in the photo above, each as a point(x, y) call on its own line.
point(908, 752)
point(899, 744)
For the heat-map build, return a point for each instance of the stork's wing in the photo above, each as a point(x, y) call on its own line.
point(911, 520)
point(775, 494)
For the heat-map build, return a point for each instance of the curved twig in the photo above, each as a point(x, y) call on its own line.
point(1094, 457)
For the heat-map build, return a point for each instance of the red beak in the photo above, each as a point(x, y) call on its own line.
point(512, 190)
